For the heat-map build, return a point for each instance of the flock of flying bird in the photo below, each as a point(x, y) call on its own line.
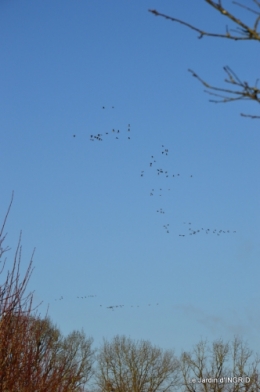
point(99, 136)
point(110, 307)
point(202, 230)
point(160, 172)
point(85, 297)
point(156, 191)
point(159, 191)
point(116, 132)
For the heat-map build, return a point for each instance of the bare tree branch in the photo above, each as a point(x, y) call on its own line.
point(217, 361)
point(248, 33)
point(249, 115)
point(33, 354)
point(126, 366)
point(241, 33)
point(246, 92)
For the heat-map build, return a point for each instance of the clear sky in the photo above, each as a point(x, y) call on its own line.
point(91, 207)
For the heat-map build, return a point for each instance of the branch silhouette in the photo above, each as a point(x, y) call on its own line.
point(243, 32)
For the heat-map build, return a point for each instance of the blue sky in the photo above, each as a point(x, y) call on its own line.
point(84, 204)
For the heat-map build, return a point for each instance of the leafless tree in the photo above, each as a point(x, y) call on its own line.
point(128, 366)
point(78, 355)
point(12, 290)
point(207, 368)
point(239, 90)
point(34, 356)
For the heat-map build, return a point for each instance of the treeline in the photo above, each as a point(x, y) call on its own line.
point(36, 357)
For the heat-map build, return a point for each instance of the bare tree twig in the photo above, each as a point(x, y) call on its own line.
point(241, 33)
point(248, 32)
point(249, 115)
point(246, 8)
point(245, 93)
